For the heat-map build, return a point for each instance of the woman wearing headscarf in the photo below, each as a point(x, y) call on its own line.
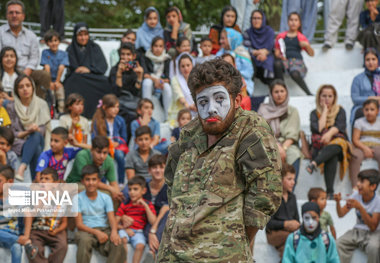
point(329, 139)
point(175, 29)
point(228, 19)
point(150, 29)
point(30, 116)
point(231, 42)
point(259, 39)
point(366, 85)
point(284, 121)
point(86, 71)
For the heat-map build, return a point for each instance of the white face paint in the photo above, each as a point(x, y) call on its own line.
point(309, 222)
point(213, 101)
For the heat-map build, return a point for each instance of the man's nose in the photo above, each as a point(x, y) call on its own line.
point(212, 108)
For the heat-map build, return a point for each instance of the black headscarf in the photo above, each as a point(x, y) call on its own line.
point(227, 8)
point(311, 206)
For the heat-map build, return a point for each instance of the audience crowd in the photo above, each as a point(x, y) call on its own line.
point(120, 175)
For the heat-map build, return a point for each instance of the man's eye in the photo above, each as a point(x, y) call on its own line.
point(203, 102)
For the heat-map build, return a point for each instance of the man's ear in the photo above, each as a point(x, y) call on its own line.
point(238, 100)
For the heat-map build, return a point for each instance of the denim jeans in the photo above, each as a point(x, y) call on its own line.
point(119, 158)
point(9, 240)
point(31, 151)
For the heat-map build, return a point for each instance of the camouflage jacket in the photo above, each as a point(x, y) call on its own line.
point(216, 192)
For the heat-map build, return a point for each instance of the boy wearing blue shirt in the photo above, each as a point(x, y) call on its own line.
point(58, 156)
point(54, 61)
point(96, 221)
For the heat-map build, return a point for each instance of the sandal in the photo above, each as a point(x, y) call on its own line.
point(311, 168)
point(31, 251)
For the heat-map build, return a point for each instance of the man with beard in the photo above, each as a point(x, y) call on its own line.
point(223, 174)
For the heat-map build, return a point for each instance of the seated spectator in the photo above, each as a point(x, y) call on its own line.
point(107, 123)
point(319, 196)
point(86, 71)
point(366, 233)
point(183, 45)
point(55, 61)
point(244, 10)
point(58, 156)
point(310, 243)
point(368, 19)
point(231, 42)
point(365, 138)
point(285, 123)
point(77, 125)
point(183, 118)
point(30, 117)
point(14, 34)
point(5, 121)
point(259, 39)
point(8, 72)
point(136, 162)
point(145, 110)
point(288, 47)
point(329, 138)
point(338, 10)
point(129, 36)
point(366, 85)
point(96, 221)
point(156, 78)
point(98, 156)
point(48, 231)
point(126, 79)
point(7, 156)
point(205, 46)
point(11, 235)
point(141, 211)
point(286, 219)
point(150, 29)
point(228, 19)
point(175, 29)
point(182, 98)
point(308, 10)
point(245, 103)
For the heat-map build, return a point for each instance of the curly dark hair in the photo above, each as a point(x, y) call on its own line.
point(213, 71)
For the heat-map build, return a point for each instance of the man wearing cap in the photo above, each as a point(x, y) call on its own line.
point(310, 243)
point(26, 44)
point(223, 174)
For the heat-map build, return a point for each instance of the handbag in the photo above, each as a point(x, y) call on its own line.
point(122, 144)
point(316, 138)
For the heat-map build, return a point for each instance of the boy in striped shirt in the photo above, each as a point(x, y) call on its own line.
point(134, 215)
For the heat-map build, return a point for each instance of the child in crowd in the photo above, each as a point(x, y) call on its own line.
point(150, 29)
point(54, 61)
point(156, 78)
point(206, 47)
point(145, 110)
point(5, 121)
point(73, 121)
point(129, 36)
point(141, 211)
point(48, 231)
point(175, 29)
point(98, 156)
point(136, 162)
point(7, 156)
point(288, 47)
point(246, 100)
point(183, 118)
point(96, 223)
point(182, 46)
point(366, 233)
point(11, 236)
point(286, 219)
point(58, 156)
point(106, 122)
point(366, 138)
point(8, 72)
point(310, 243)
point(319, 196)
point(368, 19)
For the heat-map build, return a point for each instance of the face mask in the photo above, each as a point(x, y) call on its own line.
point(309, 223)
point(214, 102)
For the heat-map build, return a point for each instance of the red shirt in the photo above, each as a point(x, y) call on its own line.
point(137, 212)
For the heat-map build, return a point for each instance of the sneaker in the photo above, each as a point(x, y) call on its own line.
point(349, 47)
point(326, 47)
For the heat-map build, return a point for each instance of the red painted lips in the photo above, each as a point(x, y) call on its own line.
point(212, 119)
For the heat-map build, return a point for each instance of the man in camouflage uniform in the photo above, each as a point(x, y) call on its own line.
point(223, 174)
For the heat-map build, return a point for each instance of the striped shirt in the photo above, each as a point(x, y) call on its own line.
point(137, 212)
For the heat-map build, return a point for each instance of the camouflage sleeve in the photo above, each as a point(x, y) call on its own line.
point(171, 165)
point(260, 165)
